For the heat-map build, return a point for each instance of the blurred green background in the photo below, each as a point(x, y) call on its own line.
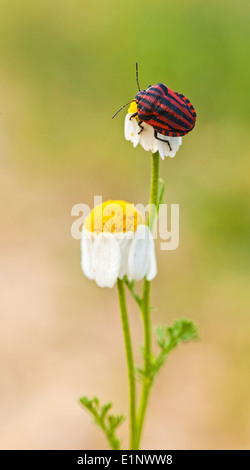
point(66, 67)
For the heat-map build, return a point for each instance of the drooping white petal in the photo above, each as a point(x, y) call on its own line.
point(106, 259)
point(86, 255)
point(125, 244)
point(131, 130)
point(147, 139)
point(139, 254)
point(175, 143)
point(152, 270)
point(163, 147)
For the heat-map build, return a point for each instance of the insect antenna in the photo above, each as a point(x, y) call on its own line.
point(137, 79)
point(122, 108)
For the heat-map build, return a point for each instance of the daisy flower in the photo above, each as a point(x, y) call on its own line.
point(116, 242)
point(146, 138)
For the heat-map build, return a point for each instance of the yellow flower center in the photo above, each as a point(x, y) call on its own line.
point(132, 108)
point(114, 217)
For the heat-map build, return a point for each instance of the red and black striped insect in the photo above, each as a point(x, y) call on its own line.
point(168, 112)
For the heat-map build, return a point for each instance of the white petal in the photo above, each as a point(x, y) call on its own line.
point(86, 253)
point(152, 270)
point(131, 130)
point(164, 149)
point(106, 260)
point(127, 127)
point(125, 245)
point(147, 139)
point(161, 148)
point(175, 143)
point(139, 254)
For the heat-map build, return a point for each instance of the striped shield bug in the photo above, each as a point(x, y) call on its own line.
point(168, 112)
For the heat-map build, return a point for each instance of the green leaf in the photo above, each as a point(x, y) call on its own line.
point(108, 423)
point(105, 409)
point(131, 286)
point(160, 334)
point(168, 337)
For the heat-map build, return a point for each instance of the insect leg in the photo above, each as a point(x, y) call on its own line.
point(162, 140)
point(133, 115)
point(141, 126)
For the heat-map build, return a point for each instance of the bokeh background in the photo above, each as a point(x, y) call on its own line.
point(66, 66)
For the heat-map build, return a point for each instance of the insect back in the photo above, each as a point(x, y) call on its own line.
point(168, 112)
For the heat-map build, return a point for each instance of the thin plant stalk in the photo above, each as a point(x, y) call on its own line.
point(147, 380)
point(130, 362)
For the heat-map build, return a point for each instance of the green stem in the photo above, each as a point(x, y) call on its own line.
point(153, 190)
point(130, 362)
point(147, 380)
point(142, 411)
point(147, 326)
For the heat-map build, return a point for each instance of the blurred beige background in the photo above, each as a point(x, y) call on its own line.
point(66, 67)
